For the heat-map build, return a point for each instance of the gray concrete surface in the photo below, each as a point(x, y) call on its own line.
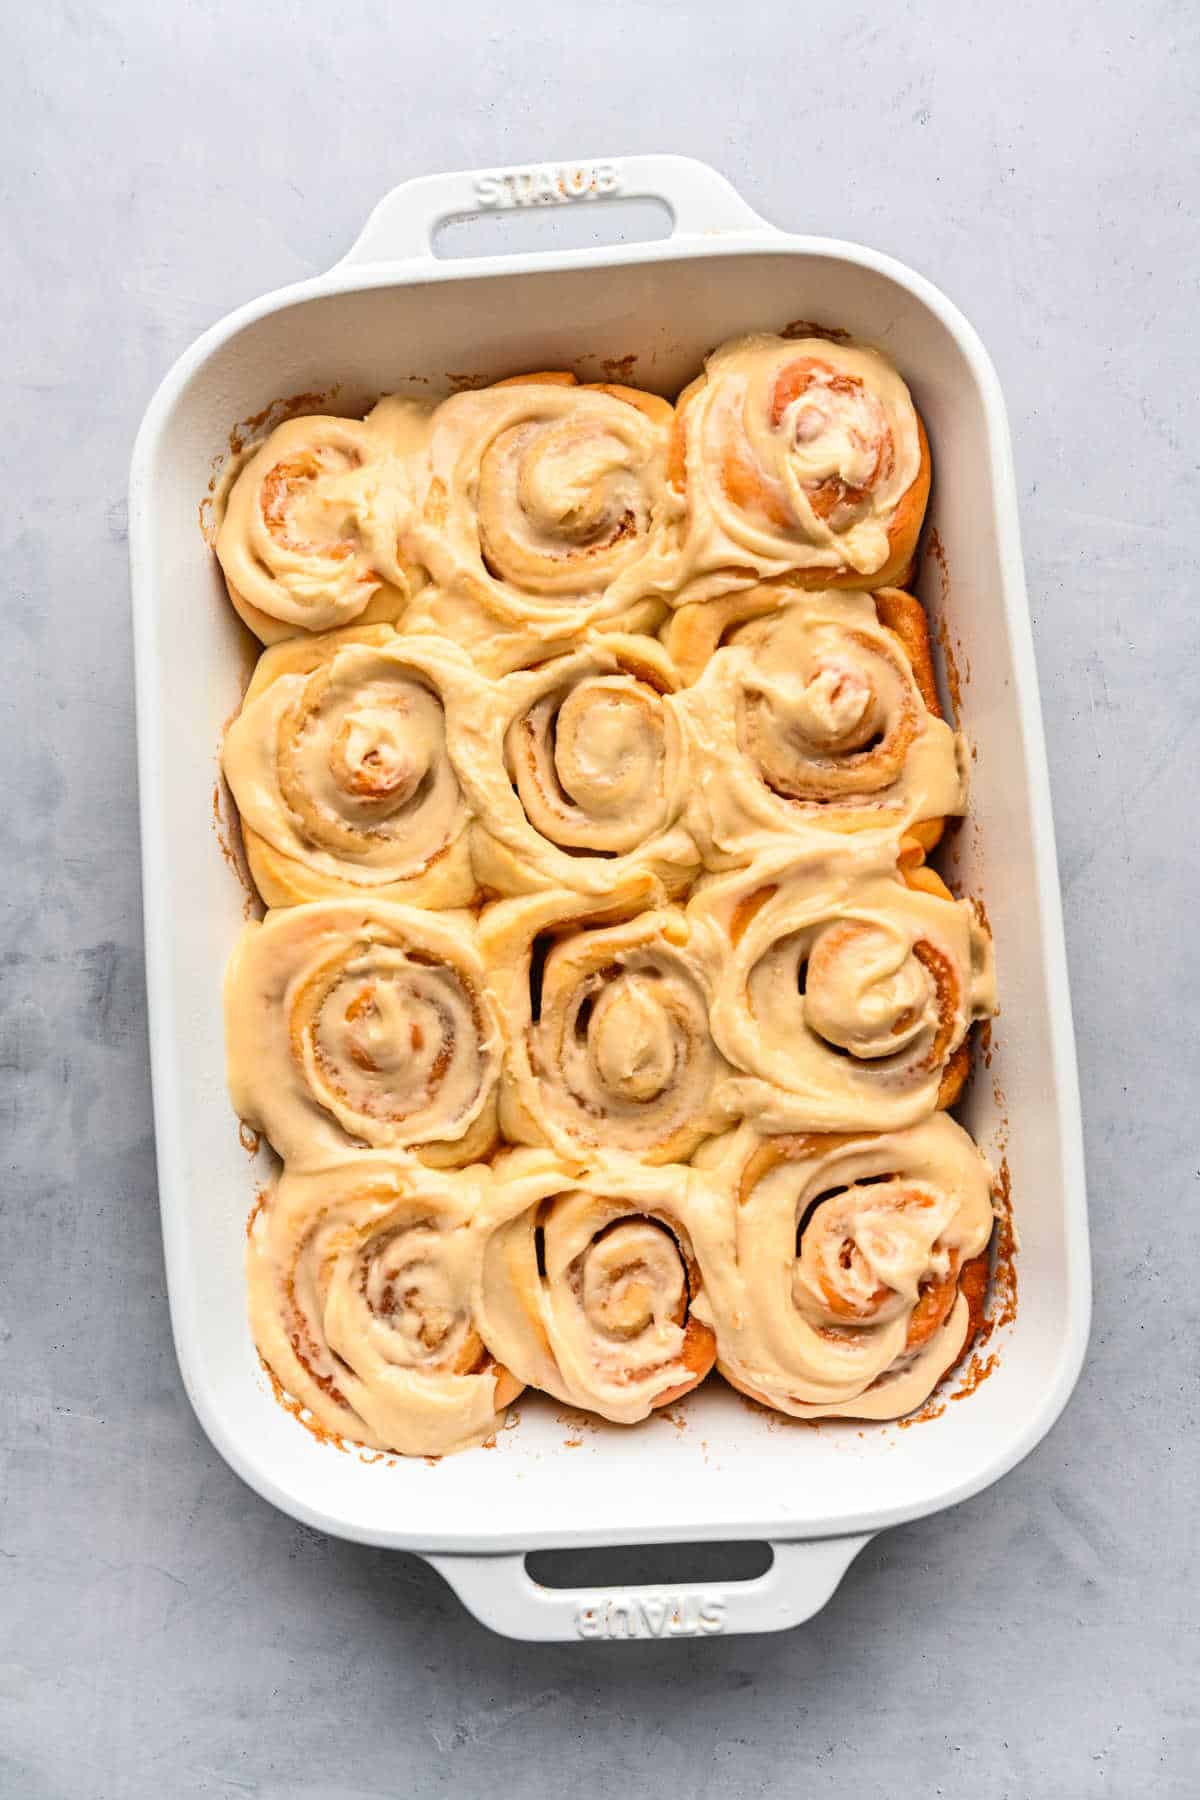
point(162, 1631)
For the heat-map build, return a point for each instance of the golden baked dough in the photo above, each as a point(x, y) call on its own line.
point(605, 1015)
point(363, 1281)
point(310, 538)
point(808, 711)
point(341, 763)
point(539, 500)
point(840, 1272)
point(842, 987)
point(363, 1024)
point(589, 1280)
point(797, 457)
point(576, 773)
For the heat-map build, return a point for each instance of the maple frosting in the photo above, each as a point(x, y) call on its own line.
point(357, 1025)
point(603, 1016)
point(794, 454)
point(363, 1281)
point(808, 713)
point(588, 1282)
point(840, 991)
point(832, 1263)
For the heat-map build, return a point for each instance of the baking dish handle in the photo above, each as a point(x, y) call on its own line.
point(503, 1595)
point(701, 202)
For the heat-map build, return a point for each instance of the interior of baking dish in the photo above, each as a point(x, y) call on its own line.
point(713, 1467)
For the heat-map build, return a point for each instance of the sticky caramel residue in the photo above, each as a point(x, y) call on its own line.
point(250, 1141)
point(976, 1372)
point(242, 438)
point(228, 828)
point(805, 328)
point(1001, 1308)
point(776, 1420)
point(1004, 1272)
point(619, 368)
point(301, 1414)
point(956, 665)
point(932, 1409)
point(260, 1200)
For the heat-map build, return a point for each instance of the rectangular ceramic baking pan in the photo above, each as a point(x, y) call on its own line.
point(392, 316)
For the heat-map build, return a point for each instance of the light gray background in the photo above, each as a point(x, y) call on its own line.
point(164, 1632)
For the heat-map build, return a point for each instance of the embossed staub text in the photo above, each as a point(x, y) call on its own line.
point(652, 1616)
point(548, 184)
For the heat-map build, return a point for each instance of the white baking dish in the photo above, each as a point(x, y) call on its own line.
point(390, 315)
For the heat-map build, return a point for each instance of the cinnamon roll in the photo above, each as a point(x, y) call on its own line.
point(797, 457)
point(607, 1044)
point(844, 985)
point(590, 1284)
point(821, 710)
point(310, 538)
point(846, 1273)
point(363, 1282)
point(576, 773)
point(363, 1025)
point(540, 498)
point(341, 763)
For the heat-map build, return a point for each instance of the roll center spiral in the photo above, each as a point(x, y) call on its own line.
point(631, 1041)
point(633, 1280)
point(865, 992)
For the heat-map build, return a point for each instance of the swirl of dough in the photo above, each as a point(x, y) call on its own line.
point(589, 1281)
point(607, 1044)
point(822, 711)
point(540, 499)
point(575, 772)
point(800, 457)
point(844, 985)
point(341, 764)
point(363, 1281)
point(362, 1024)
point(312, 525)
point(846, 1274)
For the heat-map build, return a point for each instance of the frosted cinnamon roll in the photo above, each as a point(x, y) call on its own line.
point(798, 457)
point(605, 1016)
point(821, 710)
point(362, 1283)
point(847, 1273)
point(575, 771)
point(589, 1284)
point(357, 1025)
point(310, 536)
point(341, 763)
point(540, 498)
point(844, 986)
